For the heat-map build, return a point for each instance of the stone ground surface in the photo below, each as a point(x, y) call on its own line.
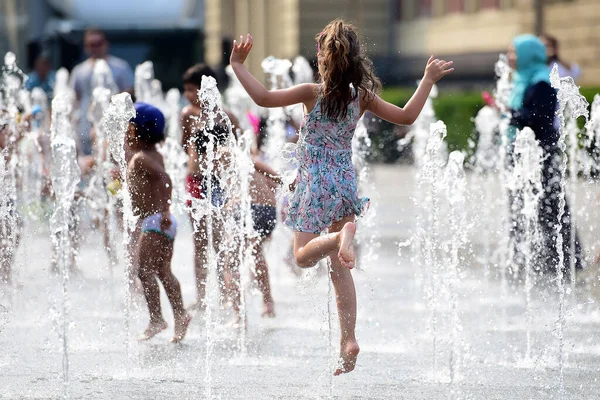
point(289, 357)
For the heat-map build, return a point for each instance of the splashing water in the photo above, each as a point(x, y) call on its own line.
point(65, 175)
point(503, 84)
point(144, 74)
point(11, 81)
point(8, 216)
point(303, 72)
point(526, 184)
point(173, 99)
point(61, 84)
point(116, 122)
point(204, 209)
point(427, 236)
point(419, 132)
point(238, 100)
point(455, 183)
point(504, 256)
point(369, 236)
point(32, 163)
point(569, 98)
point(102, 77)
point(229, 162)
point(278, 72)
point(487, 165)
point(101, 204)
point(175, 157)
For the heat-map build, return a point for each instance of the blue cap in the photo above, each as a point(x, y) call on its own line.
point(150, 118)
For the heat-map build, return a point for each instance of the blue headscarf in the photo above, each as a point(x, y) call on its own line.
point(531, 68)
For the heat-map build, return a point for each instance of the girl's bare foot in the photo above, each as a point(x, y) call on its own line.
point(269, 309)
point(152, 330)
point(181, 326)
point(348, 355)
point(346, 252)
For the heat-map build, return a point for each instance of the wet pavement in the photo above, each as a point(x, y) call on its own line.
point(293, 355)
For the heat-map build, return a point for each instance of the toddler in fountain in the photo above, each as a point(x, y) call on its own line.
point(325, 196)
point(150, 188)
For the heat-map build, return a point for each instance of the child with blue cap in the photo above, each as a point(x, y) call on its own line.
point(150, 188)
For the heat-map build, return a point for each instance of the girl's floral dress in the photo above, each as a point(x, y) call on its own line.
point(326, 188)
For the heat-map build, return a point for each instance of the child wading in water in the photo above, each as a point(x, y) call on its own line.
point(150, 188)
point(195, 140)
point(325, 197)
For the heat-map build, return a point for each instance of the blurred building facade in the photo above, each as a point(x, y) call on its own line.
point(473, 32)
point(287, 28)
point(168, 32)
point(401, 34)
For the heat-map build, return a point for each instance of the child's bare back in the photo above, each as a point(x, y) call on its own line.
point(150, 189)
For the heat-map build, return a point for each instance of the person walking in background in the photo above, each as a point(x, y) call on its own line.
point(564, 68)
point(195, 141)
point(96, 48)
point(533, 104)
point(42, 76)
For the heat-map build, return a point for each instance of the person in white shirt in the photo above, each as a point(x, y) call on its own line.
point(96, 48)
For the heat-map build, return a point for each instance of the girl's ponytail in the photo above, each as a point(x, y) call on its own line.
point(342, 64)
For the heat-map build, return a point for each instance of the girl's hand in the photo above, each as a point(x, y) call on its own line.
point(241, 50)
point(437, 69)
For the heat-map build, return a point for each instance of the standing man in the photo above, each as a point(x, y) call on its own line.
point(96, 48)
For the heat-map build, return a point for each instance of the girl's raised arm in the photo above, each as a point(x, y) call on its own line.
point(304, 93)
point(435, 70)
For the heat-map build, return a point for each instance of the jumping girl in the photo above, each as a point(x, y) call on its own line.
point(325, 197)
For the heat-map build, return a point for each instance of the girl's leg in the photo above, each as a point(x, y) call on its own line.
point(173, 289)
point(345, 296)
point(309, 248)
point(149, 262)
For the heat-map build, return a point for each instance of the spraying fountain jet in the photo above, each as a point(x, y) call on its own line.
point(11, 81)
point(570, 100)
point(175, 157)
point(278, 72)
point(65, 176)
point(526, 185)
point(144, 74)
point(427, 237)
point(116, 121)
point(455, 182)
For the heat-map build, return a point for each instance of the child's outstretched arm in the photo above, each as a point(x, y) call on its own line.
point(434, 71)
point(265, 98)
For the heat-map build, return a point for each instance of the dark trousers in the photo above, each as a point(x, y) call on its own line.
point(546, 255)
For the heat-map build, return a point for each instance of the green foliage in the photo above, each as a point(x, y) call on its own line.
point(457, 109)
point(589, 93)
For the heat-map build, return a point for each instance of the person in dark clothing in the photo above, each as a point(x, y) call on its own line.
point(533, 104)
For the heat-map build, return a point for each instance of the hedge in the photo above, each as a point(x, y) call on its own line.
point(456, 108)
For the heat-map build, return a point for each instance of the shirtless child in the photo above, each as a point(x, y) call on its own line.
point(194, 141)
point(150, 188)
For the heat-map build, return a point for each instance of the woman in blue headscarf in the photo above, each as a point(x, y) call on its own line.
point(533, 104)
